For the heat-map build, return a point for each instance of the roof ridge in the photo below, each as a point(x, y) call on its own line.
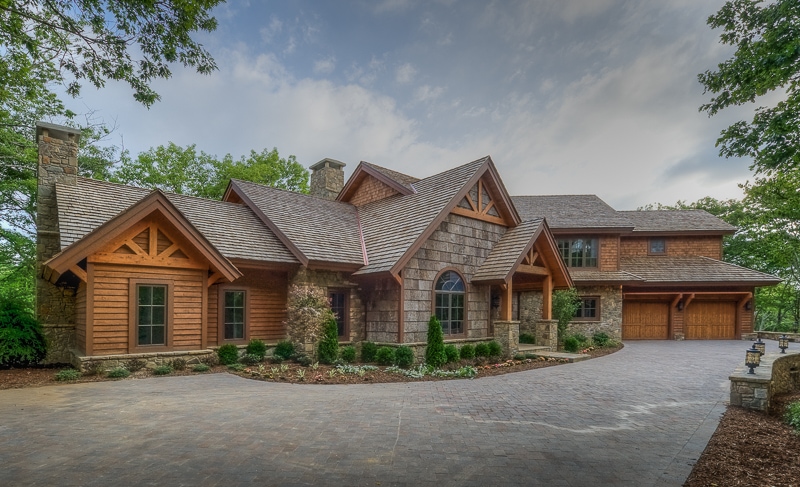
point(288, 191)
point(150, 190)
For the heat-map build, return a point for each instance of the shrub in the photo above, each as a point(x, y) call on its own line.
point(571, 344)
point(434, 353)
point(385, 356)
point(519, 356)
point(792, 416)
point(368, 352)
point(328, 349)
point(228, 354)
point(94, 368)
point(481, 350)
point(404, 356)
point(451, 352)
point(284, 350)
point(565, 304)
point(67, 374)
point(256, 347)
point(303, 360)
point(237, 367)
point(601, 339)
point(250, 359)
point(118, 373)
point(178, 364)
point(162, 370)
point(348, 354)
point(495, 349)
point(135, 365)
point(21, 339)
point(467, 352)
point(201, 368)
point(582, 340)
point(527, 338)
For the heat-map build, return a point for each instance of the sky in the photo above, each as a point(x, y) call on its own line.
point(567, 97)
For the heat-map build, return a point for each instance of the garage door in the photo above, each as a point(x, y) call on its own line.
point(706, 320)
point(645, 320)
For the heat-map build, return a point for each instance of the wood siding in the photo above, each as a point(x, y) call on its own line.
point(645, 320)
point(710, 320)
point(111, 306)
point(266, 304)
point(80, 317)
point(608, 258)
point(371, 190)
point(676, 246)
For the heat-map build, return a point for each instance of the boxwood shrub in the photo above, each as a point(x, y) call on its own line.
point(467, 352)
point(404, 356)
point(452, 353)
point(385, 356)
point(228, 354)
point(368, 351)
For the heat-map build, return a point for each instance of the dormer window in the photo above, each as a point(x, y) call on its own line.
point(578, 252)
point(657, 246)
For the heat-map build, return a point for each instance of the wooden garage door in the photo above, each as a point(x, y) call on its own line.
point(645, 320)
point(710, 320)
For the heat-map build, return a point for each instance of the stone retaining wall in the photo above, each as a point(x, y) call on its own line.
point(777, 374)
point(152, 360)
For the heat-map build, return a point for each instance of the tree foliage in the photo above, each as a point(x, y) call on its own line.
point(435, 355)
point(21, 338)
point(565, 305)
point(767, 60)
point(328, 350)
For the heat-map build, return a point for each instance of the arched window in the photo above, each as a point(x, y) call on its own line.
point(450, 302)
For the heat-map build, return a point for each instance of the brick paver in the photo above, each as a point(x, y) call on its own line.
point(639, 417)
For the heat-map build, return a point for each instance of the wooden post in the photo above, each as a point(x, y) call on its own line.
point(547, 298)
point(506, 302)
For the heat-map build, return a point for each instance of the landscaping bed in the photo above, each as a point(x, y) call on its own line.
point(43, 376)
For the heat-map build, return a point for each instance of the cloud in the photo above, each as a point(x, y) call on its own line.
point(405, 73)
point(272, 29)
point(325, 66)
point(427, 93)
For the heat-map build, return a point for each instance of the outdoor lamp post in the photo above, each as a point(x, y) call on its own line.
point(752, 359)
point(783, 343)
point(760, 346)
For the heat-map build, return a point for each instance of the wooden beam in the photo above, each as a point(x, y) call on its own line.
point(485, 211)
point(506, 303)
point(153, 240)
point(477, 216)
point(170, 250)
point(547, 298)
point(532, 269)
point(688, 300)
point(214, 278)
point(79, 273)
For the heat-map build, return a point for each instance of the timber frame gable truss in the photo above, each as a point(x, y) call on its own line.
point(152, 232)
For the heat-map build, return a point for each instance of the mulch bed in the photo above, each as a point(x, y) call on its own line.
point(751, 448)
point(45, 376)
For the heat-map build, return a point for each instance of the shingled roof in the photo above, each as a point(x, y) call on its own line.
point(400, 178)
point(693, 269)
point(582, 211)
point(233, 229)
point(320, 230)
point(506, 253)
point(391, 226)
point(680, 221)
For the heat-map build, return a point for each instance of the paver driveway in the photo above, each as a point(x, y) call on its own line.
point(638, 417)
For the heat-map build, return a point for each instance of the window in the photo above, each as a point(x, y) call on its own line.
point(578, 252)
point(450, 302)
point(151, 315)
point(234, 315)
point(657, 246)
point(339, 307)
point(589, 309)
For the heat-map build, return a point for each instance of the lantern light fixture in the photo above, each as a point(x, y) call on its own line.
point(752, 359)
point(760, 346)
point(783, 343)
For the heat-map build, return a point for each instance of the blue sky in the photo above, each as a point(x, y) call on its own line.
point(568, 97)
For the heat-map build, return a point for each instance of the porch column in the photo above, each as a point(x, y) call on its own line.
point(506, 302)
point(547, 298)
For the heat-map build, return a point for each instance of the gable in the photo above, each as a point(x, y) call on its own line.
point(371, 183)
point(371, 189)
point(482, 203)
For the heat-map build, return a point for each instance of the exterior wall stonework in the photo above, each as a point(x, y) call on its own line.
point(382, 314)
point(610, 321)
point(530, 312)
point(338, 280)
point(461, 244)
point(55, 305)
point(676, 246)
point(778, 374)
point(327, 182)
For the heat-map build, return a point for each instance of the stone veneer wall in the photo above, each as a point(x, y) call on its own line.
point(610, 320)
point(383, 314)
point(55, 305)
point(530, 312)
point(337, 280)
point(459, 243)
point(327, 181)
point(778, 374)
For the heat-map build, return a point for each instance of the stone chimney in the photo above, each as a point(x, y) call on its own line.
point(327, 178)
point(55, 305)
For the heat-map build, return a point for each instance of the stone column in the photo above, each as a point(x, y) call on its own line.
point(327, 179)
point(507, 334)
point(547, 333)
point(55, 305)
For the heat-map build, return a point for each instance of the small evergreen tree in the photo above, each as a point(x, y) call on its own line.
point(21, 339)
point(434, 353)
point(328, 349)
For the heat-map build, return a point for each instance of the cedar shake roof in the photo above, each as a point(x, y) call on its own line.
point(233, 229)
point(400, 178)
point(693, 269)
point(676, 221)
point(583, 211)
point(589, 276)
point(391, 226)
point(507, 253)
point(321, 230)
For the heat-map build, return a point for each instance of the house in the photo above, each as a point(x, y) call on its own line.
point(126, 272)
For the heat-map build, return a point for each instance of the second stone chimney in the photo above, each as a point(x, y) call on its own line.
point(327, 178)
